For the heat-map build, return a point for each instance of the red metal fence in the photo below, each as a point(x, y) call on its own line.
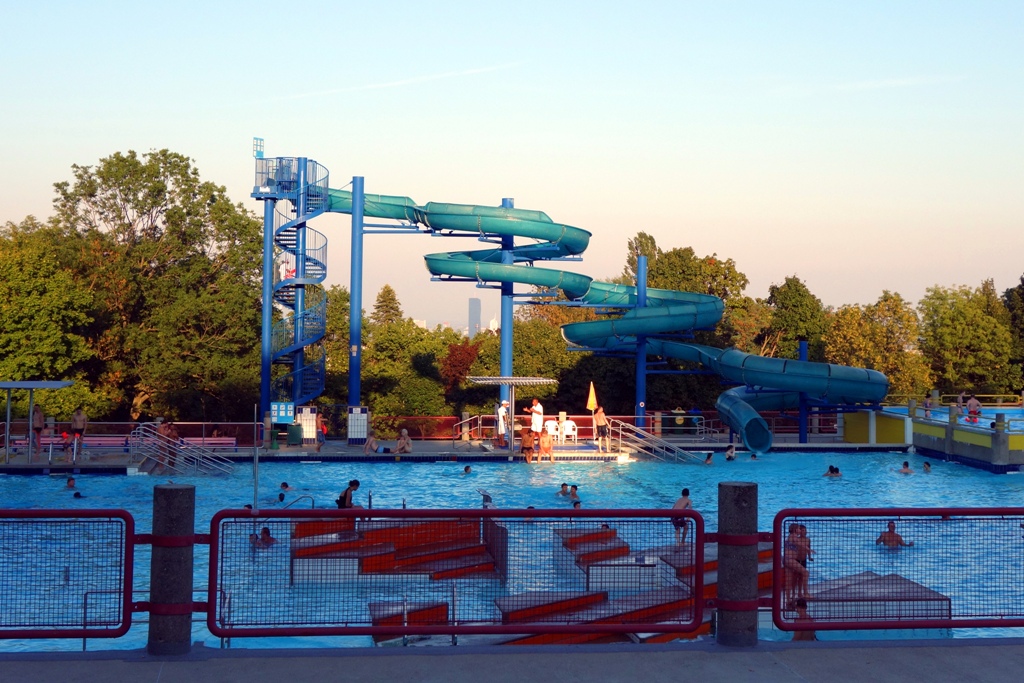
point(898, 568)
point(66, 573)
point(521, 574)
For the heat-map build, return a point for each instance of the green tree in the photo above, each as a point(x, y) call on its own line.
point(176, 266)
point(682, 270)
point(744, 324)
point(796, 314)
point(882, 336)
point(46, 311)
point(641, 245)
point(967, 344)
point(386, 309)
point(336, 346)
point(1013, 299)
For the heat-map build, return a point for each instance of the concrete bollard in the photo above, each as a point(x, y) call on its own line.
point(1000, 441)
point(737, 564)
point(170, 594)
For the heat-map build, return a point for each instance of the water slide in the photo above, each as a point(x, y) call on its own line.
point(766, 383)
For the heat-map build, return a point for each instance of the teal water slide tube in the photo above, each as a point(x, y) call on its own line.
point(766, 383)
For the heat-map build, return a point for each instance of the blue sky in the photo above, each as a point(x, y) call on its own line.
point(860, 146)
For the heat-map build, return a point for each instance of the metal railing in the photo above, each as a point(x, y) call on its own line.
point(508, 573)
point(987, 400)
point(898, 568)
point(641, 441)
point(179, 456)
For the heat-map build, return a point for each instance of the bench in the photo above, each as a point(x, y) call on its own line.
point(213, 442)
point(88, 441)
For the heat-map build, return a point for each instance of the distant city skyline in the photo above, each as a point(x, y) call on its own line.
point(861, 146)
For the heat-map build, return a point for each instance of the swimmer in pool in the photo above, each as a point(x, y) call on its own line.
point(891, 539)
point(905, 469)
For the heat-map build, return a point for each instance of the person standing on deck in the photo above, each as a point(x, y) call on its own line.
point(973, 409)
point(38, 422)
point(79, 421)
point(536, 418)
point(601, 422)
point(502, 424)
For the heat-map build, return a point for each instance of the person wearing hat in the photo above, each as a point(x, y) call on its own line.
point(502, 423)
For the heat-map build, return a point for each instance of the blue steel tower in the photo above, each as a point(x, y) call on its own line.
point(293, 191)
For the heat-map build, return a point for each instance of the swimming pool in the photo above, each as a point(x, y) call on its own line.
point(785, 480)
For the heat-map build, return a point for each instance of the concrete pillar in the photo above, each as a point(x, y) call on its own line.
point(170, 594)
point(950, 426)
point(1000, 442)
point(737, 564)
point(908, 424)
point(872, 427)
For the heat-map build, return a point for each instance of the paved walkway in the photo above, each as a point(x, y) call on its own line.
point(959, 661)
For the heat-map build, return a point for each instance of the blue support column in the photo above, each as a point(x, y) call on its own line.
point(641, 346)
point(266, 338)
point(803, 396)
point(299, 357)
point(355, 322)
point(507, 301)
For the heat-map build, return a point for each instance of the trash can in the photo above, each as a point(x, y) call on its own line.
point(294, 435)
point(673, 422)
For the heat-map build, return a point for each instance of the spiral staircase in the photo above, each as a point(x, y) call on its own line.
point(298, 188)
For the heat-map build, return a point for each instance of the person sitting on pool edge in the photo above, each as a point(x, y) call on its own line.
point(547, 445)
point(404, 444)
point(526, 445)
point(371, 445)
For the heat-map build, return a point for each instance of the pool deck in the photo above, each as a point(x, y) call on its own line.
point(117, 461)
point(960, 660)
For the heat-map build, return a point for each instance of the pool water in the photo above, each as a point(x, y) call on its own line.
point(785, 480)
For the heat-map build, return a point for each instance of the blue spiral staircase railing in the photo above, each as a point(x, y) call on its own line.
point(298, 188)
